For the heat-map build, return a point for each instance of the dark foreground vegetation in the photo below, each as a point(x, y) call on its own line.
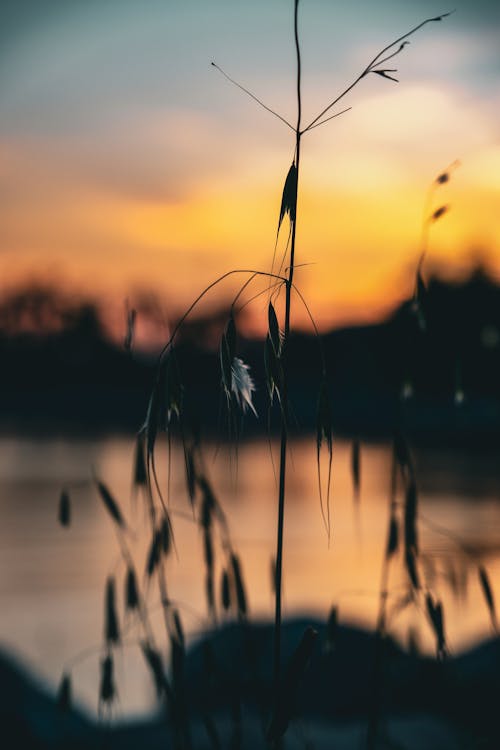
point(422, 703)
point(61, 371)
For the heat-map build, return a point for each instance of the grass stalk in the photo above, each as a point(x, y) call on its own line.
point(284, 422)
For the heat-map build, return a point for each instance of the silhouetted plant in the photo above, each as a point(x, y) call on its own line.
point(167, 414)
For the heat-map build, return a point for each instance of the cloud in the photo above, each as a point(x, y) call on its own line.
point(421, 113)
point(402, 136)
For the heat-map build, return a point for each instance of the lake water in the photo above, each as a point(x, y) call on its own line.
point(52, 579)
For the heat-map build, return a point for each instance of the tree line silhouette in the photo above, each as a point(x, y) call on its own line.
point(440, 366)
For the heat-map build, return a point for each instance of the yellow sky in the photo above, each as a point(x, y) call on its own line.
point(170, 197)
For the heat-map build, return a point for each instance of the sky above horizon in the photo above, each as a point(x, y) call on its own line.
point(127, 162)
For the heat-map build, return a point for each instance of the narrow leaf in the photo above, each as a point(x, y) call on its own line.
point(439, 212)
point(209, 593)
point(393, 538)
point(384, 73)
point(324, 434)
point(410, 517)
point(331, 631)
point(152, 420)
point(208, 502)
point(110, 504)
point(241, 599)
point(154, 662)
point(289, 197)
point(131, 590)
point(225, 591)
point(190, 473)
point(231, 337)
point(411, 567)
point(154, 553)
point(174, 391)
point(484, 580)
point(64, 512)
point(140, 472)
point(355, 467)
point(225, 365)
point(107, 691)
point(178, 629)
point(443, 15)
point(435, 614)
point(129, 335)
point(64, 694)
point(269, 364)
point(165, 535)
point(111, 630)
point(208, 554)
point(274, 329)
point(323, 418)
point(208, 551)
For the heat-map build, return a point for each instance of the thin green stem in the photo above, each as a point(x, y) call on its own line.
point(285, 408)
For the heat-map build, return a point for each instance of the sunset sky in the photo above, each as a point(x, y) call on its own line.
point(127, 162)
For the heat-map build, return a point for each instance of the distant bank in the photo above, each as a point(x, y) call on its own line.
point(432, 371)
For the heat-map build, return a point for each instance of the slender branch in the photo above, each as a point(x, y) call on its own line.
point(252, 96)
point(377, 60)
point(337, 99)
point(257, 295)
point(245, 285)
point(393, 54)
point(205, 291)
point(332, 117)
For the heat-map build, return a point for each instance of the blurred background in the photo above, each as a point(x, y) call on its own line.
point(131, 175)
point(128, 162)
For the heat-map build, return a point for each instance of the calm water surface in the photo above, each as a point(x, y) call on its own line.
point(52, 579)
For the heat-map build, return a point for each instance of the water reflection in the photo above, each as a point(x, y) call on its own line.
point(52, 579)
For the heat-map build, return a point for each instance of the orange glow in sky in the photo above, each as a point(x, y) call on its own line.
point(169, 192)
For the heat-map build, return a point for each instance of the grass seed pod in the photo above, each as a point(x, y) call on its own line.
point(64, 512)
point(131, 590)
point(111, 629)
point(488, 595)
point(107, 690)
point(64, 694)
